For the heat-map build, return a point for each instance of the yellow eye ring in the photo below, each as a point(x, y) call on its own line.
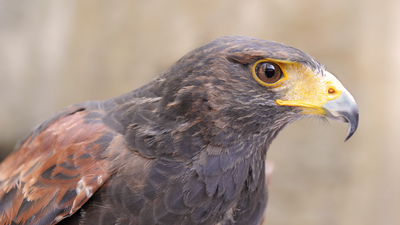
point(268, 72)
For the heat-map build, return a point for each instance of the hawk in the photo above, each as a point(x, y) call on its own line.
point(189, 147)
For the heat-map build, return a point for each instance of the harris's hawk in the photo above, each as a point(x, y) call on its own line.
point(187, 148)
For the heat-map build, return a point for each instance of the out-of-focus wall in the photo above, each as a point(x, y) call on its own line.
point(57, 52)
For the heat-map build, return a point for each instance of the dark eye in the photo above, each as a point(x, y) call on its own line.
point(268, 72)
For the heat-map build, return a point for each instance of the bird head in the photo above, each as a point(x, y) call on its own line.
point(255, 85)
point(236, 93)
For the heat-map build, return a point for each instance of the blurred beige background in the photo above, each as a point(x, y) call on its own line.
point(57, 52)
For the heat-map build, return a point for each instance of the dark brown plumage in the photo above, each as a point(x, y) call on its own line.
point(187, 148)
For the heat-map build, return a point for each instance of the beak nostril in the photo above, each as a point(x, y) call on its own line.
point(331, 91)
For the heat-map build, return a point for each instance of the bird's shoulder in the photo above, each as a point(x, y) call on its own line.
point(58, 167)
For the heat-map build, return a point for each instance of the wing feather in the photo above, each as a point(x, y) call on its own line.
point(56, 169)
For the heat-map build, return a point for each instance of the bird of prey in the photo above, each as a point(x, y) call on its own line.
point(189, 147)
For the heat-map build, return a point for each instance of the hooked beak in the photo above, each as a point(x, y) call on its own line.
point(322, 96)
point(344, 109)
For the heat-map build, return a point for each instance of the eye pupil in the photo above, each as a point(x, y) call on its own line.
point(268, 72)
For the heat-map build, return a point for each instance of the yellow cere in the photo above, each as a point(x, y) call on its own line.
point(303, 87)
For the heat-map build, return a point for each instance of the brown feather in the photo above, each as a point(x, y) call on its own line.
point(62, 166)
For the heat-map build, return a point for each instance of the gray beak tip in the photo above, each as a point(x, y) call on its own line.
point(344, 109)
point(353, 123)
